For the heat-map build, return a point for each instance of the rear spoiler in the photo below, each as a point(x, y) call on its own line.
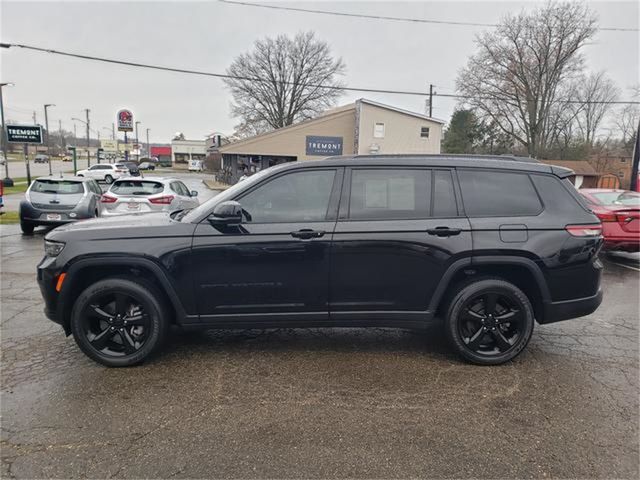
point(561, 171)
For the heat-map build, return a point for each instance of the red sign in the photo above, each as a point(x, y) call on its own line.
point(125, 121)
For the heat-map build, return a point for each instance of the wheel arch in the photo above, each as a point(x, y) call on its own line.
point(521, 271)
point(88, 270)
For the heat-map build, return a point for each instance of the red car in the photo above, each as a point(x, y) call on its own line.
point(619, 212)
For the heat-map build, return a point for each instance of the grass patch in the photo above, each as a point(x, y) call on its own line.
point(20, 188)
point(8, 218)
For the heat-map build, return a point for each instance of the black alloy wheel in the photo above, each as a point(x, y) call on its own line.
point(490, 321)
point(108, 179)
point(118, 322)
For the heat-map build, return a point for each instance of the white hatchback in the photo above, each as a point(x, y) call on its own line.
point(146, 195)
point(105, 172)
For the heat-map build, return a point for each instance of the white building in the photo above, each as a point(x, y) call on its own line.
point(183, 151)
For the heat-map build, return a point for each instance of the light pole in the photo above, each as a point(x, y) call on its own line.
point(87, 125)
point(137, 142)
point(46, 125)
point(148, 149)
point(88, 139)
point(7, 180)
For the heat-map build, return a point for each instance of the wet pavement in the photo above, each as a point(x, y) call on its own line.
point(319, 402)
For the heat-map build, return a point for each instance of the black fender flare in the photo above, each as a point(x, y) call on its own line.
point(126, 260)
point(469, 263)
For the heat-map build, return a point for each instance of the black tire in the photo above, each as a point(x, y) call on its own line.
point(108, 179)
point(80, 175)
point(146, 309)
point(487, 335)
point(26, 227)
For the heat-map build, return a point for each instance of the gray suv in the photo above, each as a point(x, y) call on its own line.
point(55, 201)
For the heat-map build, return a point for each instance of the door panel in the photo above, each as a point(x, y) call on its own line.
point(261, 268)
point(392, 265)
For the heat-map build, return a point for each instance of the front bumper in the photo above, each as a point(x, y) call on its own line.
point(47, 277)
point(564, 310)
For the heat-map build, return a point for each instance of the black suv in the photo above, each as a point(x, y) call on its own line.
point(487, 243)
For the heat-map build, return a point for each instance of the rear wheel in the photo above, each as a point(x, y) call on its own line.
point(489, 322)
point(108, 179)
point(26, 227)
point(119, 322)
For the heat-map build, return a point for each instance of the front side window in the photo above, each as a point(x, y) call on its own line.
point(498, 194)
point(291, 198)
point(389, 194)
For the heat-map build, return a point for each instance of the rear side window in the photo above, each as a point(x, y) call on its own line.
point(57, 186)
point(137, 187)
point(389, 194)
point(444, 198)
point(556, 196)
point(498, 194)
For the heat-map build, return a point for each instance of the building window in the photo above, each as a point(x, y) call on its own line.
point(424, 132)
point(378, 130)
point(623, 160)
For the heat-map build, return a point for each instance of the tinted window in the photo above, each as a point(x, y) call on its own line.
point(495, 193)
point(137, 187)
point(57, 186)
point(295, 197)
point(389, 194)
point(556, 196)
point(444, 198)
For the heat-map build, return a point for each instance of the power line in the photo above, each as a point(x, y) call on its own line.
point(385, 17)
point(255, 79)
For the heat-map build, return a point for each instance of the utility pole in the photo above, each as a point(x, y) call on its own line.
point(148, 149)
point(113, 131)
point(62, 149)
point(7, 182)
point(46, 125)
point(75, 135)
point(88, 139)
point(137, 142)
point(35, 119)
point(635, 161)
point(431, 92)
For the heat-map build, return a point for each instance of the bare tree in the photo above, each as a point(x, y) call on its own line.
point(595, 92)
point(628, 117)
point(514, 78)
point(282, 81)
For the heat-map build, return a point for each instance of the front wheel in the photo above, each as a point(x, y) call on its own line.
point(108, 179)
point(119, 322)
point(489, 322)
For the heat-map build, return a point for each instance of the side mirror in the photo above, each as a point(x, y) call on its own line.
point(194, 193)
point(226, 214)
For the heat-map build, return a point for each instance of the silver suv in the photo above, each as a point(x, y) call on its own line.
point(151, 194)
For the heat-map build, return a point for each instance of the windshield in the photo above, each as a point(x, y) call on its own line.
point(207, 206)
point(136, 187)
point(60, 187)
point(618, 198)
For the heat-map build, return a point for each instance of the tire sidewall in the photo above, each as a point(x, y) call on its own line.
point(147, 298)
point(474, 289)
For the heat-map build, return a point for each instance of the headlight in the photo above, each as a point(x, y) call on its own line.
point(52, 249)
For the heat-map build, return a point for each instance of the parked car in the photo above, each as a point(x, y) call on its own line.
point(105, 172)
point(153, 194)
point(55, 201)
point(146, 166)
point(619, 212)
point(40, 158)
point(134, 171)
point(487, 243)
point(196, 165)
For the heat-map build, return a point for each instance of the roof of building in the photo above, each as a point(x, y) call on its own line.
point(580, 167)
point(401, 110)
point(325, 116)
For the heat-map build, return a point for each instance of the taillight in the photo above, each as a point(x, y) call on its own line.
point(584, 230)
point(607, 217)
point(165, 200)
point(107, 199)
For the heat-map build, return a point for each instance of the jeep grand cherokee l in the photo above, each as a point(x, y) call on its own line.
point(489, 244)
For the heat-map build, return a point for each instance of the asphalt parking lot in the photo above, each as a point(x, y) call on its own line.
point(375, 403)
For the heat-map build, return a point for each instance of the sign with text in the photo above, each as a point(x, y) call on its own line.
point(109, 145)
point(24, 134)
point(125, 121)
point(324, 146)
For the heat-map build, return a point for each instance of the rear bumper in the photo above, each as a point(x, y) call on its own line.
point(558, 311)
point(628, 243)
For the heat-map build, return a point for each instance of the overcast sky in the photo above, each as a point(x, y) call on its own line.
point(208, 35)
